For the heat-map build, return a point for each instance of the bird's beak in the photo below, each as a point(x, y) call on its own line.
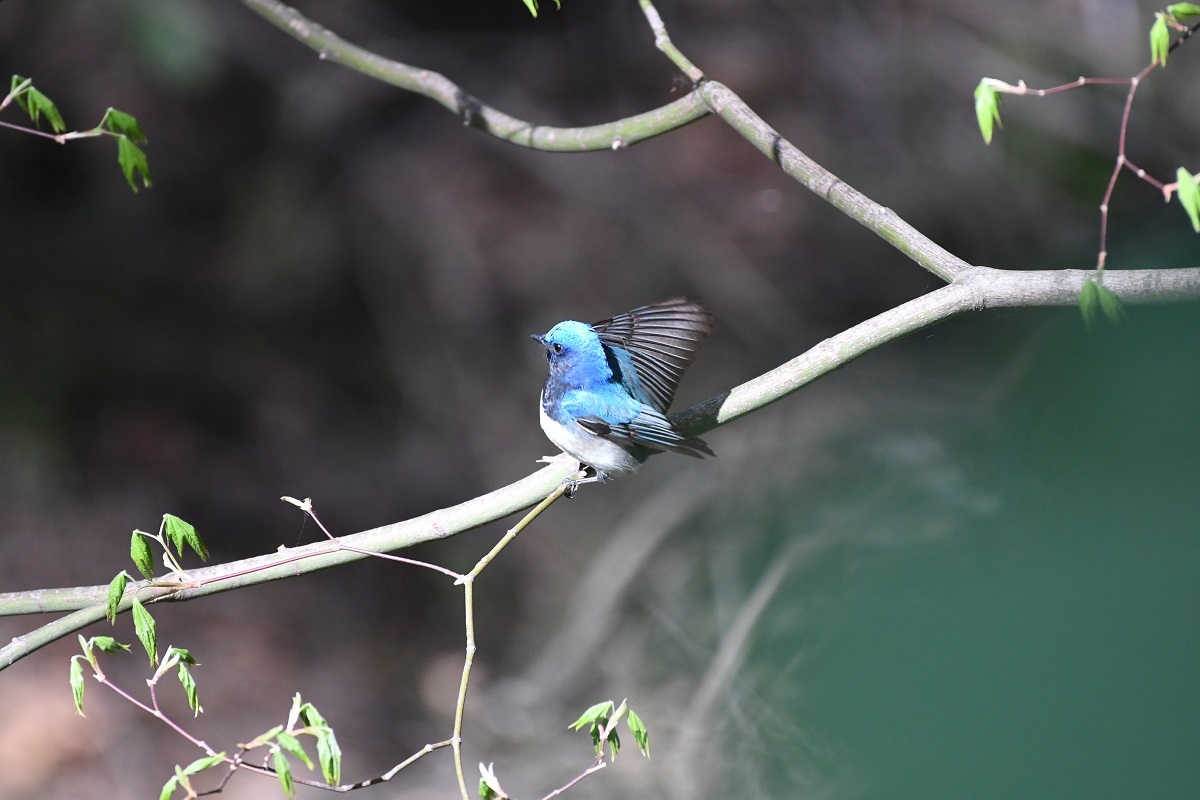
point(539, 339)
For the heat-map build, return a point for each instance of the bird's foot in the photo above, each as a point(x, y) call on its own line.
point(581, 477)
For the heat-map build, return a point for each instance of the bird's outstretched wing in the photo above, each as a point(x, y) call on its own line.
point(662, 338)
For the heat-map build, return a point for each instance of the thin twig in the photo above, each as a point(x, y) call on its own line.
point(596, 766)
point(30, 131)
point(308, 508)
point(468, 584)
point(1122, 158)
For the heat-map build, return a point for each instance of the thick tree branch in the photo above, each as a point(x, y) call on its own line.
point(975, 289)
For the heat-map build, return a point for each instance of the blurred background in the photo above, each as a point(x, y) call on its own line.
point(963, 566)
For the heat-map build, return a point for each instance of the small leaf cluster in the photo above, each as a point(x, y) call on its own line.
point(182, 777)
point(36, 104)
point(987, 106)
point(175, 536)
point(129, 135)
point(1160, 32)
point(176, 658)
point(602, 719)
point(283, 740)
point(1096, 297)
point(172, 532)
point(175, 532)
point(105, 644)
point(117, 124)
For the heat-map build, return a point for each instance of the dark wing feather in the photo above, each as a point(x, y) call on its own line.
point(663, 339)
point(649, 429)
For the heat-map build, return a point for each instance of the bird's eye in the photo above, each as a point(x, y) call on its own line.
point(557, 348)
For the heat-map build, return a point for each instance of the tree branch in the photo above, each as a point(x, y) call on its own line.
point(471, 110)
point(844, 197)
point(974, 289)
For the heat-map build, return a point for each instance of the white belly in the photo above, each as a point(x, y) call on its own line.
point(586, 447)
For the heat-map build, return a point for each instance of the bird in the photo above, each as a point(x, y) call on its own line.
point(610, 384)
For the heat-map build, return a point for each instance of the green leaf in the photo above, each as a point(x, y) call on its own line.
point(184, 783)
point(1183, 10)
point(283, 770)
point(44, 106)
point(308, 713)
point(1110, 304)
point(37, 105)
point(486, 792)
point(329, 753)
point(1160, 40)
point(124, 124)
point(201, 764)
point(184, 654)
point(143, 626)
point(987, 109)
point(180, 533)
point(293, 746)
point(133, 161)
point(189, 688)
point(139, 551)
point(168, 788)
point(263, 738)
point(640, 734)
point(86, 646)
point(77, 684)
point(532, 6)
point(116, 590)
point(1089, 299)
point(108, 644)
point(1189, 196)
point(614, 743)
point(592, 715)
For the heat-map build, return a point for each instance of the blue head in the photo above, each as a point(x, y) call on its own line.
point(577, 356)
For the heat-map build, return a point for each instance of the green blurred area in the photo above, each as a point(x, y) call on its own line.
point(1049, 649)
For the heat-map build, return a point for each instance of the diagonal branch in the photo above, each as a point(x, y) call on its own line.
point(975, 289)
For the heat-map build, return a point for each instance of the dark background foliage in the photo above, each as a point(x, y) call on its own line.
point(328, 293)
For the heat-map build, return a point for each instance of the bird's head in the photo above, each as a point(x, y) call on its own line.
point(575, 352)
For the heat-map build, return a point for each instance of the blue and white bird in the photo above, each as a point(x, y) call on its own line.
point(611, 382)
